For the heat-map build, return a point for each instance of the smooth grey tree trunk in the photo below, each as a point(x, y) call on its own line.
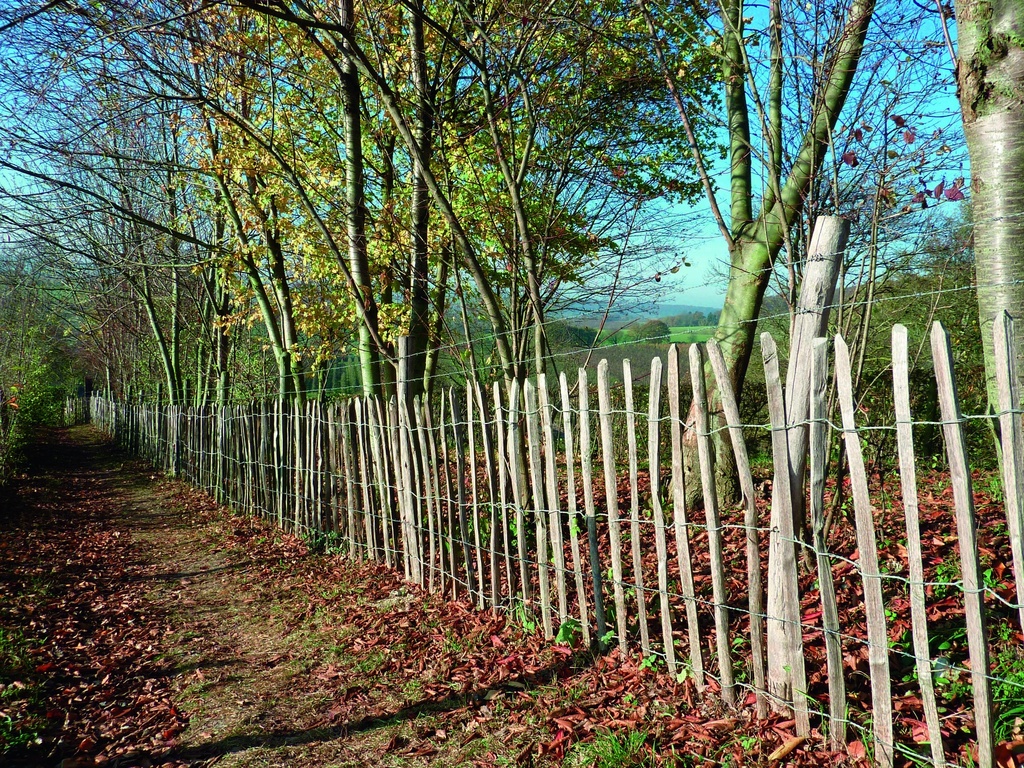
point(990, 36)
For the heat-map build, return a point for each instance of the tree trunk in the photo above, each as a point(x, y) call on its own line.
point(369, 357)
point(419, 301)
point(990, 36)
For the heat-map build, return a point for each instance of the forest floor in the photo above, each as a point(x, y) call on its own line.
point(143, 625)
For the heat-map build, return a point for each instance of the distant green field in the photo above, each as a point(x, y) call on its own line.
point(692, 334)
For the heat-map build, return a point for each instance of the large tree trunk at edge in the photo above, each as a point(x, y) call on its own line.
point(990, 35)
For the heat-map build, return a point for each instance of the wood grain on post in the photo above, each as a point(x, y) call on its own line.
point(517, 476)
point(682, 531)
point(449, 523)
point(826, 582)
point(492, 491)
point(539, 506)
point(395, 452)
point(573, 510)
point(660, 541)
point(364, 485)
point(1012, 440)
point(874, 605)
point(428, 422)
point(503, 482)
point(634, 510)
point(755, 596)
point(477, 541)
point(791, 681)
point(420, 500)
point(611, 491)
point(714, 525)
point(908, 484)
point(429, 495)
point(346, 466)
point(460, 480)
point(587, 478)
point(817, 286)
point(554, 510)
point(967, 534)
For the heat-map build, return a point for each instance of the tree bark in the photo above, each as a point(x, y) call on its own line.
point(369, 356)
point(423, 125)
point(990, 75)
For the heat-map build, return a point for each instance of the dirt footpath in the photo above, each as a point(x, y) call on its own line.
point(140, 625)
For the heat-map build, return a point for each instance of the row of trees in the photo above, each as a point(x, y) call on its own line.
point(245, 194)
point(323, 180)
point(268, 192)
point(37, 366)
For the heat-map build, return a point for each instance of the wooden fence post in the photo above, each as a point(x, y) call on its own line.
point(786, 677)
point(693, 636)
point(908, 483)
point(660, 538)
point(755, 602)
point(554, 510)
point(540, 513)
point(714, 526)
point(826, 583)
point(611, 491)
point(963, 497)
point(874, 606)
point(817, 286)
point(570, 482)
point(587, 478)
point(1012, 440)
point(634, 510)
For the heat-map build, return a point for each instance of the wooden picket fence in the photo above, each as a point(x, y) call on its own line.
point(513, 497)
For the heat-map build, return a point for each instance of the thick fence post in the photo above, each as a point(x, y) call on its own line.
point(963, 497)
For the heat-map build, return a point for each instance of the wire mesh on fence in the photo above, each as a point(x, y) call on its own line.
point(519, 498)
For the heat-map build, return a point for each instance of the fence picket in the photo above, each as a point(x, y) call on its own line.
point(554, 509)
point(379, 472)
point(573, 511)
point(660, 542)
point(477, 543)
point(346, 465)
point(540, 513)
point(908, 483)
point(364, 484)
point(818, 439)
point(874, 606)
point(634, 510)
point(435, 476)
point(460, 476)
point(681, 526)
point(755, 602)
point(518, 478)
point(587, 478)
point(449, 497)
point(492, 481)
point(611, 491)
point(782, 552)
point(1012, 440)
point(429, 495)
point(707, 478)
point(963, 497)
point(503, 465)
